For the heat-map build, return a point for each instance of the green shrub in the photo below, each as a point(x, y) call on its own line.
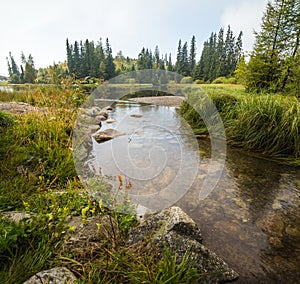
point(224, 80)
point(199, 81)
point(186, 80)
point(6, 119)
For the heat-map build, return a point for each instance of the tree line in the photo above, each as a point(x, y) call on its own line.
point(273, 64)
point(90, 59)
point(25, 74)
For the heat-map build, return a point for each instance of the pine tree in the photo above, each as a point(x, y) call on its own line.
point(70, 60)
point(170, 65)
point(221, 55)
point(276, 45)
point(110, 67)
point(156, 58)
point(192, 57)
point(241, 71)
point(185, 60)
point(14, 73)
point(29, 72)
point(178, 64)
point(76, 58)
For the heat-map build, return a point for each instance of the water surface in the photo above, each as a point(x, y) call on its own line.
point(251, 219)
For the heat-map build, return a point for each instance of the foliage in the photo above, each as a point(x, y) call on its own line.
point(241, 71)
point(28, 71)
point(219, 57)
point(6, 119)
point(224, 80)
point(87, 59)
point(276, 48)
point(186, 80)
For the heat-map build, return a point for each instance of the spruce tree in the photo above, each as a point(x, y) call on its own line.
point(170, 65)
point(192, 57)
point(110, 67)
point(275, 47)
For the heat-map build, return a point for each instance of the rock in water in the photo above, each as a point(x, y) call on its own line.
point(57, 275)
point(173, 229)
point(136, 115)
point(111, 121)
point(107, 134)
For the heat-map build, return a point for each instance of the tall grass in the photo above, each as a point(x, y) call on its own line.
point(268, 124)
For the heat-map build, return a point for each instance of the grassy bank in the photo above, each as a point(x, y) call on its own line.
point(37, 175)
point(262, 123)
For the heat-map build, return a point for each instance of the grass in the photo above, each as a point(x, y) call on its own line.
point(265, 123)
point(37, 175)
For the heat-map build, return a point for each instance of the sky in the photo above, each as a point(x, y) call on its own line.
point(40, 28)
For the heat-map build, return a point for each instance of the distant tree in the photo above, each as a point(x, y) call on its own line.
point(70, 59)
point(230, 59)
point(76, 58)
point(192, 56)
point(30, 73)
point(110, 67)
point(14, 73)
point(156, 58)
point(170, 65)
point(219, 57)
point(179, 60)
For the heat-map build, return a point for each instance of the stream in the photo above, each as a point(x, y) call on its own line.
point(250, 219)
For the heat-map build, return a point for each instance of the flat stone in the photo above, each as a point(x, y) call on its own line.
point(107, 135)
point(16, 216)
point(137, 115)
point(57, 275)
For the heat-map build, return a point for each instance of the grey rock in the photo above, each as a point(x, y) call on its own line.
point(173, 229)
point(108, 108)
point(107, 134)
point(57, 275)
point(16, 216)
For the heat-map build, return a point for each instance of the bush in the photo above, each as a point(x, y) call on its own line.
point(199, 81)
point(224, 80)
point(6, 119)
point(186, 80)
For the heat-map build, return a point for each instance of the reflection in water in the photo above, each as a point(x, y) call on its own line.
point(251, 219)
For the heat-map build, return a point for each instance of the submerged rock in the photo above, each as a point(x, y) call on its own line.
point(57, 275)
point(107, 135)
point(174, 229)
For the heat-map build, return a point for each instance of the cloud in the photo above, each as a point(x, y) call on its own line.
point(245, 16)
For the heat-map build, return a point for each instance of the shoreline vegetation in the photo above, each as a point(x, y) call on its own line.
point(37, 176)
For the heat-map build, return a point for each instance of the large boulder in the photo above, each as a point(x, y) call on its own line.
point(107, 135)
point(173, 229)
point(57, 275)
